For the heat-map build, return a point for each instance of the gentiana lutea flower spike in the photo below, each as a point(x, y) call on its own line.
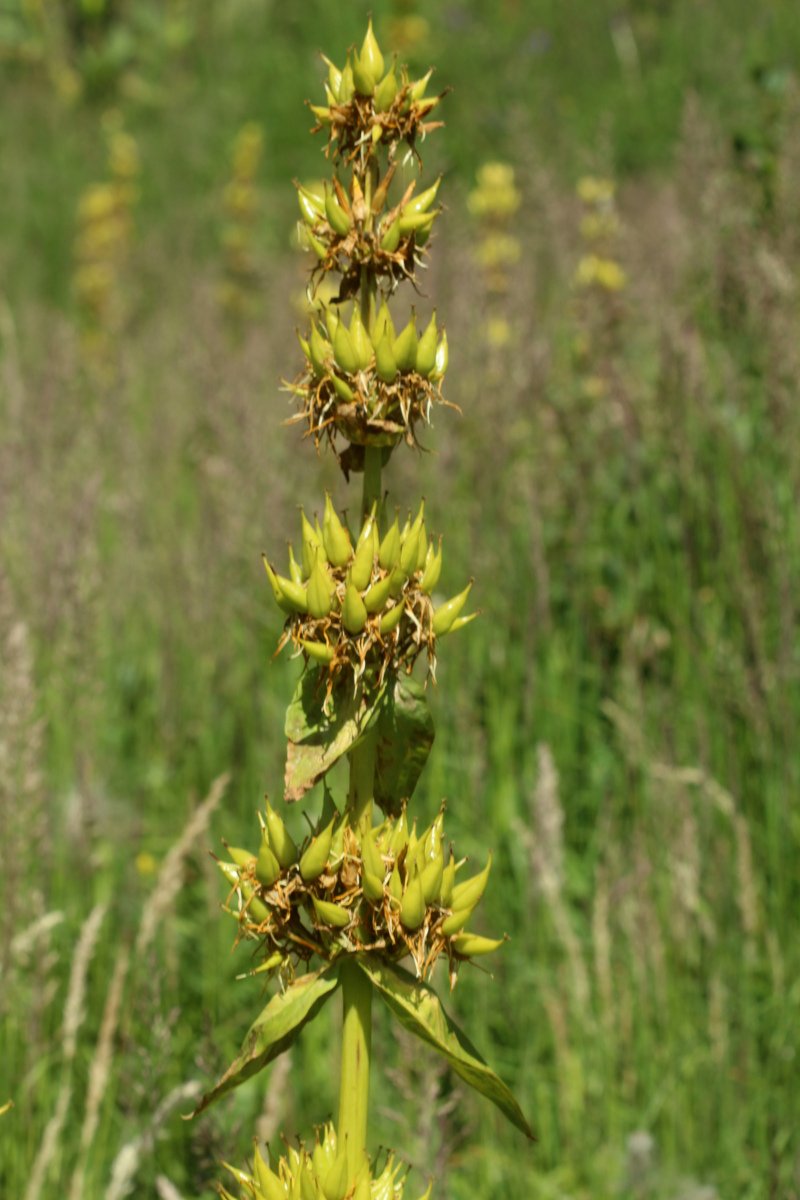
point(363, 903)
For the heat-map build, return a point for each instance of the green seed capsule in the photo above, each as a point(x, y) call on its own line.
point(389, 553)
point(344, 351)
point(362, 346)
point(396, 885)
point(468, 893)
point(460, 622)
point(417, 223)
point(336, 1180)
point(268, 868)
point(405, 347)
point(319, 651)
point(382, 325)
point(448, 880)
point(312, 208)
point(364, 557)
point(418, 89)
point(391, 619)
point(432, 569)
point(426, 350)
point(470, 945)
point(370, 857)
point(433, 838)
point(372, 887)
point(399, 835)
point(412, 908)
point(432, 874)
point(354, 612)
point(334, 77)
point(390, 238)
point(376, 596)
point(335, 537)
point(385, 92)
point(342, 389)
point(442, 359)
point(446, 614)
point(363, 78)
point(422, 202)
point(338, 219)
point(323, 114)
point(320, 591)
point(315, 856)
point(268, 1182)
point(347, 85)
point(295, 570)
point(319, 248)
point(280, 599)
point(312, 544)
point(397, 581)
point(281, 842)
point(319, 351)
point(243, 858)
point(331, 914)
point(385, 361)
point(456, 921)
point(370, 55)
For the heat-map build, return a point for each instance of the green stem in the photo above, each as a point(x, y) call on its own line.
point(356, 1048)
point(356, 988)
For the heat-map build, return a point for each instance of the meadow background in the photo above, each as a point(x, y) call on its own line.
point(621, 724)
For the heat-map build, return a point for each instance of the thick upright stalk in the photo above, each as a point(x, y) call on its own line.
point(356, 988)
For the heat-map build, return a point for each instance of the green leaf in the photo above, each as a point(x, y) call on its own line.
point(405, 737)
point(276, 1029)
point(420, 1011)
point(317, 738)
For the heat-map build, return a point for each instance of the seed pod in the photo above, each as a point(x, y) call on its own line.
point(371, 57)
point(448, 880)
point(376, 596)
point(295, 570)
point(428, 1192)
point(422, 202)
point(268, 868)
point(335, 537)
point(337, 849)
point(363, 78)
point(399, 835)
point(304, 346)
point(433, 838)
point(334, 78)
point(309, 1187)
point(456, 921)
point(390, 238)
point(397, 581)
point(370, 857)
point(331, 914)
point(323, 114)
point(289, 596)
point(389, 553)
point(412, 908)
point(281, 841)
point(468, 893)
point(395, 885)
point(442, 359)
point(386, 91)
point(419, 87)
point(346, 86)
point(312, 544)
point(319, 351)
point(315, 856)
point(470, 945)
point(336, 1180)
point(432, 569)
point(363, 1189)
point(343, 350)
point(445, 615)
point(243, 858)
point(338, 219)
point(342, 389)
point(422, 551)
point(385, 361)
point(268, 1182)
point(426, 350)
point(405, 347)
point(311, 207)
point(319, 651)
point(460, 622)
point(354, 612)
point(320, 591)
point(364, 557)
point(230, 871)
point(417, 223)
point(316, 245)
point(383, 325)
point(362, 346)
point(409, 549)
point(391, 619)
point(432, 874)
point(372, 887)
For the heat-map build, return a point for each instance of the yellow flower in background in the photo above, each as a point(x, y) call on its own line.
point(604, 273)
point(496, 194)
point(146, 864)
point(596, 191)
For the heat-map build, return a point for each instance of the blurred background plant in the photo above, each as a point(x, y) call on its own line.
point(240, 287)
point(627, 707)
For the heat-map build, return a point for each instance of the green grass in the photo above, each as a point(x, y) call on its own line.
point(637, 562)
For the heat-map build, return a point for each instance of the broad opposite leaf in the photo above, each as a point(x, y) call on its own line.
point(318, 739)
point(405, 736)
point(276, 1029)
point(420, 1011)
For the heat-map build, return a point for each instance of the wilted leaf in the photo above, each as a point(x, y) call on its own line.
point(405, 737)
point(318, 739)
